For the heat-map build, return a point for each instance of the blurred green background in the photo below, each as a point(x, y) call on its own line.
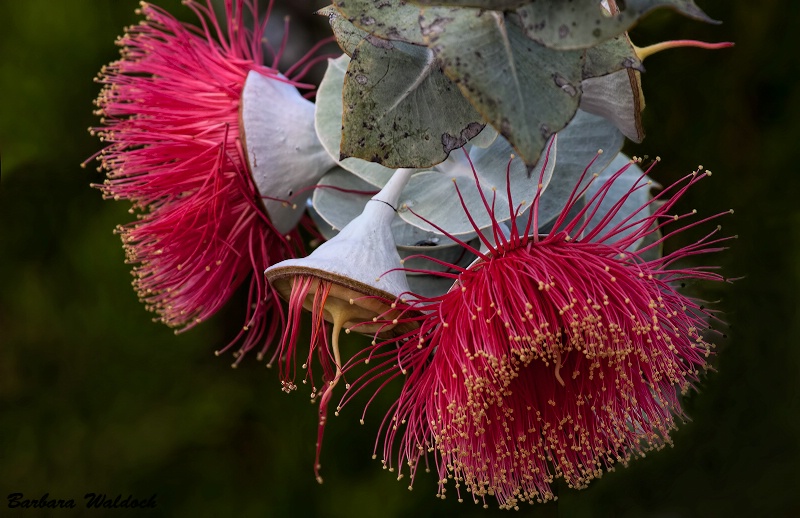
point(95, 397)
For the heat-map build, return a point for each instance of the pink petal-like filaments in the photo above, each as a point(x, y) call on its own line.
point(170, 120)
point(553, 356)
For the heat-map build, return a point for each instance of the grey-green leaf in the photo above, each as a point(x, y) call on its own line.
point(578, 145)
point(432, 195)
point(525, 90)
point(486, 137)
point(494, 5)
point(611, 56)
point(618, 97)
point(385, 19)
point(584, 23)
point(400, 110)
point(430, 199)
point(429, 285)
point(347, 35)
point(340, 197)
point(328, 123)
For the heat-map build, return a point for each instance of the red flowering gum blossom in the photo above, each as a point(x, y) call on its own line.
point(349, 281)
point(552, 356)
point(170, 111)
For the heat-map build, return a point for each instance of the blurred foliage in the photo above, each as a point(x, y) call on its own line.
point(97, 398)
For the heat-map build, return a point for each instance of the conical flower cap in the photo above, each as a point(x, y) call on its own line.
point(283, 151)
point(173, 133)
point(361, 260)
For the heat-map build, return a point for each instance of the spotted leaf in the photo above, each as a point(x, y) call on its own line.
point(584, 23)
point(399, 109)
point(525, 90)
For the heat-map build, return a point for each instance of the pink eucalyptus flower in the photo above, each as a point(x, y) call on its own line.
point(171, 109)
point(552, 356)
point(349, 281)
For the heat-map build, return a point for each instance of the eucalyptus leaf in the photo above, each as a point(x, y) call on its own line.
point(611, 56)
point(399, 109)
point(347, 35)
point(576, 152)
point(486, 137)
point(618, 97)
point(386, 19)
point(323, 227)
point(340, 197)
point(440, 248)
point(429, 285)
point(494, 5)
point(431, 199)
point(328, 123)
point(578, 146)
point(525, 90)
point(584, 23)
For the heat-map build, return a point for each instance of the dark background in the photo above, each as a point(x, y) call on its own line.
point(95, 397)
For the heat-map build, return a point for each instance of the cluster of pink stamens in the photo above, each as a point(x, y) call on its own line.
point(313, 293)
point(328, 357)
point(302, 286)
point(552, 356)
point(170, 114)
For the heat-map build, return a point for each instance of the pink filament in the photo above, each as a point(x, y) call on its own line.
point(553, 356)
point(170, 121)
